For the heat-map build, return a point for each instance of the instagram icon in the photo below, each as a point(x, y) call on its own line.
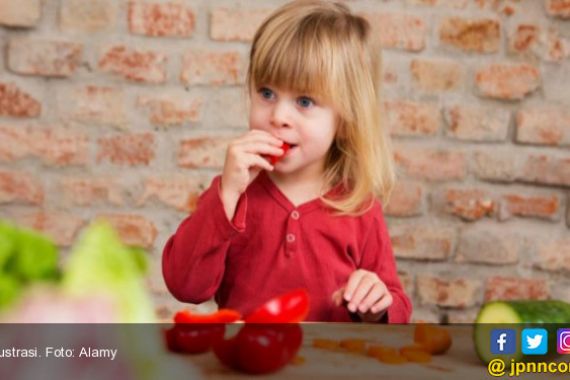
point(563, 345)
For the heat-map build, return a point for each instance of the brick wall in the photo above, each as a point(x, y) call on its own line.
point(122, 109)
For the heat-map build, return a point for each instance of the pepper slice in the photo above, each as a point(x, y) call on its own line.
point(275, 159)
point(291, 307)
point(196, 333)
point(220, 316)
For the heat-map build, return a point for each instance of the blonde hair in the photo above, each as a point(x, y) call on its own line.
point(321, 48)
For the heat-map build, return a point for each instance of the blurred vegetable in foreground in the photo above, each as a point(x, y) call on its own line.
point(26, 257)
point(100, 264)
point(100, 268)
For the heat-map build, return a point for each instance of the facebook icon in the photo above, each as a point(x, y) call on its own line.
point(503, 341)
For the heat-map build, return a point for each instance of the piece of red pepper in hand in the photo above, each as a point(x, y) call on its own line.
point(196, 333)
point(290, 307)
point(275, 159)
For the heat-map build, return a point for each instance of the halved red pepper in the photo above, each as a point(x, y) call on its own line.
point(260, 348)
point(270, 338)
point(275, 159)
point(196, 333)
point(290, 307)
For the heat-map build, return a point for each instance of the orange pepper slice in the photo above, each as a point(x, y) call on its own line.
point(434, 339)
point(416, 354)
point(354, 345)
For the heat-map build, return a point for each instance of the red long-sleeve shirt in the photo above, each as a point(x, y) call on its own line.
point(271, 247)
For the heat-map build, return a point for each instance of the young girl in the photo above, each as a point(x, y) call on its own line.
point(297, 203)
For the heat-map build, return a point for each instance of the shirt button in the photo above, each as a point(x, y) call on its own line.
point(295, 214)
point(290, 238)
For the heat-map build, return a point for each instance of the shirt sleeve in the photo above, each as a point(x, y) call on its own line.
point(377, 256)
point(193, 259)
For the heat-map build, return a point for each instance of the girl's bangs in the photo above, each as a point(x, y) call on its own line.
point(298, 65)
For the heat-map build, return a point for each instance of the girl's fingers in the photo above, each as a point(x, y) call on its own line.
point(363, 288)
point(377, 291)
point(258, 161)
point(382, 304)
point(352, 283)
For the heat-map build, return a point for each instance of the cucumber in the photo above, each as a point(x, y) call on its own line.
point(518, 315)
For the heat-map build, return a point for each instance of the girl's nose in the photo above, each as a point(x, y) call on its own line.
point(281, 114)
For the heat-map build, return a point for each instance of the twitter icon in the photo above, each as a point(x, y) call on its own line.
point(534, 341)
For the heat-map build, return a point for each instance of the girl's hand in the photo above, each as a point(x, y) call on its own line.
point(365, 294)
point(244, 162)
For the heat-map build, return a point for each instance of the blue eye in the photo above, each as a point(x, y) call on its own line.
point(265, 92)
point(305, 102)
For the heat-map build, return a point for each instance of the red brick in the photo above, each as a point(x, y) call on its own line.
point(88, 16)
point(20, 13)
point(497, 165)
point(176, 191)
point(161, 19)
point(469, 204)
point(459, 4)
point(52, 146)
point(134, 64)
point(406, 200)
point(546, 125)
point(422, 242)
point(548, 170)
point(480, 36)
point(558, 8)
point(473, 123)
point(406, 118)
point(97, 105)
point(16, 102)
point(488, 245)
point(554, 255)
point(203, 152)
point(539, 206)
point(530, 39)
point(454, 292)
point(399, 30)
point(134, 230)
point(43, 57)
point(508, 81)
point(524, 38)
point(436, 75)
point(212, 68)
point(91, 191)
point(19, 187)
point(61, 227)
point(433, 165)
point(516, 288)
point(557, 48)
point(236, 24)
point(127, 149)
point(171, 109)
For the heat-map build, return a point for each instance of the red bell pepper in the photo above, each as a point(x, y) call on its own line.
point(291, 307)
point(260, 348)
point(195, 333)
point(270, 338)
